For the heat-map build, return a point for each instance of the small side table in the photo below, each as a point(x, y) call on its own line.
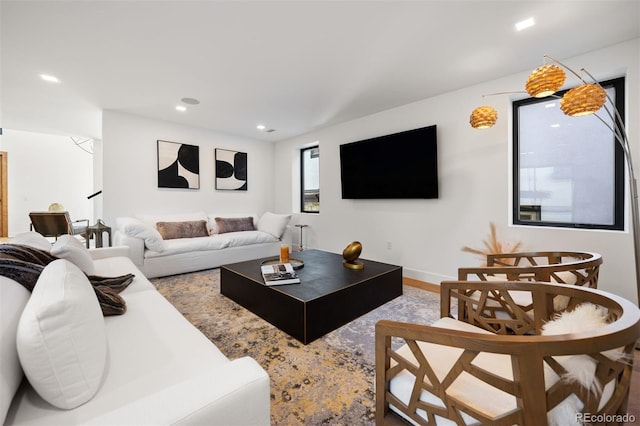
point(301, 245)
point(96, 231)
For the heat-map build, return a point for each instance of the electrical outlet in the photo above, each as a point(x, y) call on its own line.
point(389, 245)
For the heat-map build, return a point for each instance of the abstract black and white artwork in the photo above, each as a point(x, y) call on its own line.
point(231, 170)
point(178, 165)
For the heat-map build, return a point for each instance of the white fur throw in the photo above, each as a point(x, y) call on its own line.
point(580, 368)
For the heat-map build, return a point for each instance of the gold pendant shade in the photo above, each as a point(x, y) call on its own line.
point(583, 100)
point(483, 117)
point(545, 80)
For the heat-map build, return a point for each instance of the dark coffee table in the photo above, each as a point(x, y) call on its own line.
point(328, 296)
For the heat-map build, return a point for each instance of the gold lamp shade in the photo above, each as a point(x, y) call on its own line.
point(583, 100)
point(545, 80)
point(483, 117)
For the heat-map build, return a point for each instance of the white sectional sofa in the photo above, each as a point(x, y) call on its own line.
point(168, 244)
point(156, 368)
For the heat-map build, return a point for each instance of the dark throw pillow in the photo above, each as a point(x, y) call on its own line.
point(234, 224)
point(174, 230)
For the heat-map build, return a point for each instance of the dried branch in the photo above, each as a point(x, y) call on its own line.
point(493, 245)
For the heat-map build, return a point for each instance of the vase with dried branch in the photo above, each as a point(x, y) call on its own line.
point(493, 245)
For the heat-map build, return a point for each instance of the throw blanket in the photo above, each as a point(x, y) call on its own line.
point(24, 264)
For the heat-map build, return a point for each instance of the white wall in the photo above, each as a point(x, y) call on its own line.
point(130, 178)
point(43, 169)
point(426, 236)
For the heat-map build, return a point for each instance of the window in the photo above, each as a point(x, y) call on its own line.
point(567, 171)
point(310, 180)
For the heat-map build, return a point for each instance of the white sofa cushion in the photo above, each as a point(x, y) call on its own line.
point(13, 298)
point(61, 337)
point(186, 245)
point(32, 239)
point(243, 238)
point(121, 265)
point(274, 224)
point(70, 248)
point(136, 228)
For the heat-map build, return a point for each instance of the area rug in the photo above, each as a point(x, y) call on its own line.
point(329, 381)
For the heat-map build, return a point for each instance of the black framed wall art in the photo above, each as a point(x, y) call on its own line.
point(231, 170)
point(178, 165)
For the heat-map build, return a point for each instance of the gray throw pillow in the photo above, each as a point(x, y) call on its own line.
point(174, 230)
point(234, 224)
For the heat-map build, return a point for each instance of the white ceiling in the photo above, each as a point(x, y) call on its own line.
point(292, 65)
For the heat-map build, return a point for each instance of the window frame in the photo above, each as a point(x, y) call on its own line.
point(619, 204)
point(302, 187)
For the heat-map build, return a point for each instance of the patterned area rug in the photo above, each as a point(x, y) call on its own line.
point(329, 381)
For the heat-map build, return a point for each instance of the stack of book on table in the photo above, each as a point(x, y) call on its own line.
point(278, 274)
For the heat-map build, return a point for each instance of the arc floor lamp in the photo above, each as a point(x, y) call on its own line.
point(585, 99)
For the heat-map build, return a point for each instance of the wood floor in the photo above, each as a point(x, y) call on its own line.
point(633, 407)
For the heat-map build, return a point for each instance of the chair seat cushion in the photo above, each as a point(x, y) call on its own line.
point(467, 388)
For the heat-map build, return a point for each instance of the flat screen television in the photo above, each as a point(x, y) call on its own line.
point(396, 166)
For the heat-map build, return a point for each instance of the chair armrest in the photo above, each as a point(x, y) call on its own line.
point(82, 220)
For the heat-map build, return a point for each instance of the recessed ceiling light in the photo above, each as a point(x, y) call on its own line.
point(49, 78)
point(261, 127)
point(529, 22)
point(181, 108)
point(190, 101)
point(555, 126)
point(551, 105)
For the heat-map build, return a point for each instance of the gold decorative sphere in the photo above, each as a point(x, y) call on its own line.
point(351, 254)
point(352, 251)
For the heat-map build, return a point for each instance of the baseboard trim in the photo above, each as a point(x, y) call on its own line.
point(425, 277)
point(435, 288)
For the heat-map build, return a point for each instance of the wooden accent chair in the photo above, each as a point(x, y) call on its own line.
point(480, 375)
point(568, 267)
point(54, 224)
point(561, 267)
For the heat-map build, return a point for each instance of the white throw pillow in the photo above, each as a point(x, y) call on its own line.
point(32, 239)
point(133, 227)
point(274, 224)
point(70, 248)
point(61, 337)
